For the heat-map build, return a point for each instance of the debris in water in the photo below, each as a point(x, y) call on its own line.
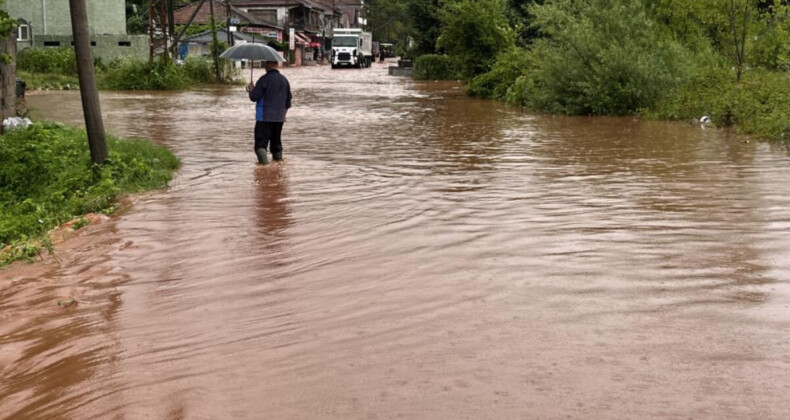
point(67, 303)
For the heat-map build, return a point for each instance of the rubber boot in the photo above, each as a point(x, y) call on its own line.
point(262, 158)
point(277, 155)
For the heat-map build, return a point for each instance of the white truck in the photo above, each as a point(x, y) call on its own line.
point(351, 47)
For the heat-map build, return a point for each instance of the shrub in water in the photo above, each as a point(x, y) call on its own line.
point(758, 104)
point(497, 83)
point(578, 69)
point(136, 74)
point(199, 70)
point(434, 67)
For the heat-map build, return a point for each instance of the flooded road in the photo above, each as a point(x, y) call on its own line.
point(418, 255)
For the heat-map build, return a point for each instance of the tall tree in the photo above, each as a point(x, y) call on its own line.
point(474, 32)
point(739, 20)
point(388, 20)
point(521, 19)
point(425, 24)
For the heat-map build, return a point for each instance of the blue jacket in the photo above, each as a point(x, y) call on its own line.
point(272, 95)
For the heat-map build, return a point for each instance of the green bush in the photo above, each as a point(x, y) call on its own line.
point(136, 74)
point(600, 58)
point(48, 60)
point(46, 179)
point(135, 25)
point(770, 45)
point(199, 70)
point(708, 91)
point(497, 83)
point(759, 104)
point(434, 67)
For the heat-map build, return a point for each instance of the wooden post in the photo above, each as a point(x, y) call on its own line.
point(87, 76)
point(150, 33)
point(215, 42)
point(8, 75)
point(230, 34)
point(162, 16)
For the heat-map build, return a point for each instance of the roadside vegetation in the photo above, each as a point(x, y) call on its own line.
point(134, 74)
point(667, 59)
point(48, 69)
point(56, 69)
point(47, 179)
point(47, 176)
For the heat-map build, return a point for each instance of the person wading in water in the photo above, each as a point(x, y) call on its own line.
point(272, 95)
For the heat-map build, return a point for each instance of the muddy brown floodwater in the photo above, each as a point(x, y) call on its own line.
point(418, 255)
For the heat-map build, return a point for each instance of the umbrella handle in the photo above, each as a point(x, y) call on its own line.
point(252, 62)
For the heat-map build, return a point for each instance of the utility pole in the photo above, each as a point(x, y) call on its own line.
point(230, 34)
point(215, 42)
point(8, 78)
point(161, 26)
point(87, 76)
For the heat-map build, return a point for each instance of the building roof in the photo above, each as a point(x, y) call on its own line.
point(349, 8)
point(313, 4)
point(203, 16)
point(222, 35)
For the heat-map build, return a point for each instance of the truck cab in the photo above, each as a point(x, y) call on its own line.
point(351, 48)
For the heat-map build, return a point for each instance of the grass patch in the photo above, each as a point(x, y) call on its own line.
point(49, 81)
point(56, 69)
point(135, 74)
point(47, 179)
point(48, 60)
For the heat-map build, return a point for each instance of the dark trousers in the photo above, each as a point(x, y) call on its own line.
point(269, 135)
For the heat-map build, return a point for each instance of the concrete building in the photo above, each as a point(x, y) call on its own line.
point(353, 12)
point(47, 23)
point(310, 21)
point(242, 21)
point(199, 45)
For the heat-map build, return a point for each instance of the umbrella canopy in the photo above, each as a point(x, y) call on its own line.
point(257, 52)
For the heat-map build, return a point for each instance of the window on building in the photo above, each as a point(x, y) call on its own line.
point(124, 43)
point(23, 31)
point(51, 43)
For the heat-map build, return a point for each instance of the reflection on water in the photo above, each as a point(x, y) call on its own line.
point(271, 211)
point(419, 254)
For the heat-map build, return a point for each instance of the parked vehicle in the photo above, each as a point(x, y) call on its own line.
point(352, 47)
point(387, 49)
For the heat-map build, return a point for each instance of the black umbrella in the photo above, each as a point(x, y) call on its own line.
point(253, 52)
